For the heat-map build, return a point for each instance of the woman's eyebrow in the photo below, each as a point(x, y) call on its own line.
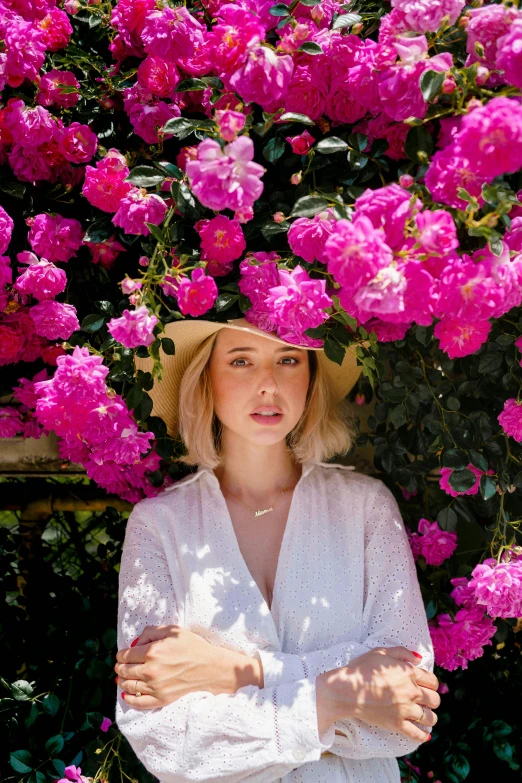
point(247, 348)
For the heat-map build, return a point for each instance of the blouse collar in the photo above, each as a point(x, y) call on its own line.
point(308, 465)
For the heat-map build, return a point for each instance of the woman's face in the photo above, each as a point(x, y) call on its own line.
point(248, 372)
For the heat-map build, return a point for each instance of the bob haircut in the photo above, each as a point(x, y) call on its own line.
point(324, 430)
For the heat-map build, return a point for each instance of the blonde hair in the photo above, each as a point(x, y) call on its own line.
point(324, 430)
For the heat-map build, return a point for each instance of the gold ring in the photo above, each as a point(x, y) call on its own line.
point(138, 693)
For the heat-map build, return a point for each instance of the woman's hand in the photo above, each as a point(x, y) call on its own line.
point(385, 688)
point(168, 662)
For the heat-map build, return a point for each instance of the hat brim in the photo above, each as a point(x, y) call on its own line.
point(188, 334)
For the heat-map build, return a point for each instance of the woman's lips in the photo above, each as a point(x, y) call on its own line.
point(269, 420)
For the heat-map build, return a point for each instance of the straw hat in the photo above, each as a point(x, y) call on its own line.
point(188, 334)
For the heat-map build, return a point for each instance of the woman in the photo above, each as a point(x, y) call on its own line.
point(281, 631)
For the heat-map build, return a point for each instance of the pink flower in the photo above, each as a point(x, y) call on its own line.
point(511, 419)
point(388, 208)
point(341, 104)
point(230, 39)
point(264, 78)
point(307, 236)
point(42, 278)
point(435, 545)
point(54, 320)
point(225, 179)
point(491, 137)
point(6, 229)
point(30, 126)
point(487, 26)
point(449, 171)
point(438, 233)
point(355, 251)
point(382, 127)
point(105, 253)
point(50, 89)
point(463, 639)
point(196, 296)
point(425, 16)
point(158, 76)
point(170, 33)
point(77, 143)
point(297, 304)
point(25, 51)
point(138, 208)
point(259, 273)
point(106, 724)
point(445, 474)
point(54, 237)
point(301, 144)
point(222, 239)
point(458, 338)
point(383, 294)
point(307, 92)
point(10, 421)
point(56, 29)
point(509, 54)
point(462, 594)
point(498, 587)
point(229, 123)
point(469, 290)
point(104, 186)
point(134, 328)
point(149, 119)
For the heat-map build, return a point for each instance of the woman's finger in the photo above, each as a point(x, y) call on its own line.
point(142, 702)
point(411, 730)
point(429, 718)
point(132, 671)
point(429, 698)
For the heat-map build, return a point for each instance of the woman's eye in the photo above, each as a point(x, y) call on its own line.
point(293, 361)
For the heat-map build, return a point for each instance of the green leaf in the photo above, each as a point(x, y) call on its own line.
point(293, 116)
point(145, 177)
point(308, 206)
point(346, 20)
point(431, 84)
point(310, 47)
point(488, 487)
point(21, 761)
point(331, 144)
point(271, 229)
point(224, 301)
point(418, 140)
point(273, 149)
point(180, 127)
point(478, 460)
point(460, 766)
point(334, 350)
point(168, 346)
point(92, 323)
point(99, 231)
point(431, 610)
point(447, 519)
point(462, 480)
point(309, 3)
point(156, 231)
point(454, 459)
point(490, 361)
point(399, 415)
point(190, 84)
point(280, 9)
point(134, 397)
point(14, 189)
point(54, 745)
point(185, 201)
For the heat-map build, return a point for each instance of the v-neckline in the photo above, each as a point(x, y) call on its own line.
point(284, 540)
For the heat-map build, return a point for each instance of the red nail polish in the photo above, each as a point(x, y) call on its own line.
point(115, 679)
point(135, 641)
point(416, 654)
point(122, 695)
point(428, 738)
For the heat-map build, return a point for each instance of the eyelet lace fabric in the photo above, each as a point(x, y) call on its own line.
point(346, 583)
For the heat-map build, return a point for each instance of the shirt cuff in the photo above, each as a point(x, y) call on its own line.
point(296, 722)
point(281, 667)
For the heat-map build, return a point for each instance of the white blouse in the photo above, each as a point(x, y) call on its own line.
point(345, 583)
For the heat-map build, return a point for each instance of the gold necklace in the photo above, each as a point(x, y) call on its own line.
point(261, 511)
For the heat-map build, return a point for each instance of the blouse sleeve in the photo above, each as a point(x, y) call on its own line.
point(252, 735)
point(393, 615)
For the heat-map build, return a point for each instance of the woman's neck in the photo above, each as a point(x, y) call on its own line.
point(257, 477)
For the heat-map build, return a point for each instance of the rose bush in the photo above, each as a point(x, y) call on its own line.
point(340, 174)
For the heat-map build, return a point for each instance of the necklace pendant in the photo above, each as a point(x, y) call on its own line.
point(263, 511)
